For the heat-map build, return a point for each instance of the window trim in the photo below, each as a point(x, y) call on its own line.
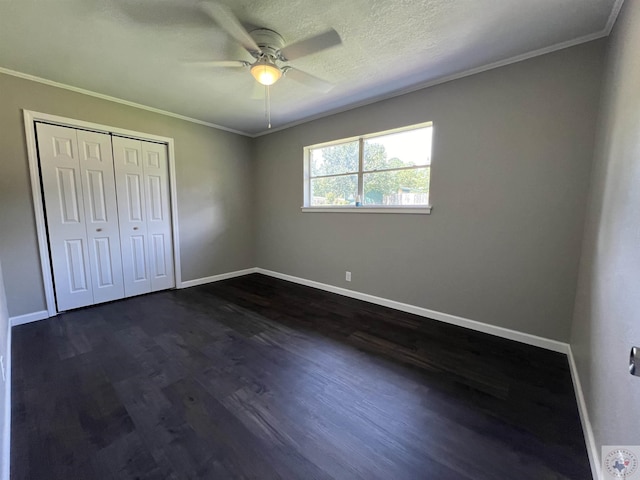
point(421, 210)
point(410, 209)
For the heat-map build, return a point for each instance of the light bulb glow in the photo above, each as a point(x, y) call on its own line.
point(265, 72)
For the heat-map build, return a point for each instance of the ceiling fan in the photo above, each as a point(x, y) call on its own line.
point(269, 50)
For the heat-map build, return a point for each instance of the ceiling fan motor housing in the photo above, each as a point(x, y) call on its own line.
point(270, 42)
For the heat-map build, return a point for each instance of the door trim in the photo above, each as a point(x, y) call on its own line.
point(30, 117)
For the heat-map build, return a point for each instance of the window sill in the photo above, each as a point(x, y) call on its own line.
point(423, 210)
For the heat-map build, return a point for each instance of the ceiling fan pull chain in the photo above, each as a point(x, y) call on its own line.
point(267, 99)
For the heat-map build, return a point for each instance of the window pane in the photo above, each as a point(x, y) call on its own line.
point(404, 187)
point(396, 150)
point(335, 159)
point(334, 190)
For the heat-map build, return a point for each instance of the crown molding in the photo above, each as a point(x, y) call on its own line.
point(431, 83)
point(615, 11)
point(109, 98)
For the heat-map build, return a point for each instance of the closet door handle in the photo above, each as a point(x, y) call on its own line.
point(98, 229)
point(135, 228)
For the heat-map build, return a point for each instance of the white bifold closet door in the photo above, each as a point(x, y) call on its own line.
point(108, 215)
point(77, 174)
point(142, 183)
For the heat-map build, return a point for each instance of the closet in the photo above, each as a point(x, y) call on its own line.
point(107, 211)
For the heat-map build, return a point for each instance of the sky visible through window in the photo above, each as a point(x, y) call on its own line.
point(412, 147)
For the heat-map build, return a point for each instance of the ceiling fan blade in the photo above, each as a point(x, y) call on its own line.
point(308, 80)
point(310, 45)
point(225, 18)
point(220, 63)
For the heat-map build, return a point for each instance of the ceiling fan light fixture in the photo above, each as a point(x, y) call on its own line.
point(266, 72)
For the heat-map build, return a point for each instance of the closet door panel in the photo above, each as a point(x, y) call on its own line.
point(76, 266)
point(130, 187)
point(63, 198)
point(160, 240)
point(103, 231)
point(138, 258)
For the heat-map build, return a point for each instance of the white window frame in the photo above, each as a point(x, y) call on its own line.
point(306, 205)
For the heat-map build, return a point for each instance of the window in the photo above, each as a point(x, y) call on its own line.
point(386, 171)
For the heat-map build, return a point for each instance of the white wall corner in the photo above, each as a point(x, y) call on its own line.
point(592, 450)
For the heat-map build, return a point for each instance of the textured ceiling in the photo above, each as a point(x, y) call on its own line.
point(136, 50)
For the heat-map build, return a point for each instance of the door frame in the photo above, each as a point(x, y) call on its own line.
point(30, 119)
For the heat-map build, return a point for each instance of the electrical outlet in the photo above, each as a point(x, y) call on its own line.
point(347, 277)
point(4, 377)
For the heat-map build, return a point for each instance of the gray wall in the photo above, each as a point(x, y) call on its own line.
point(5, 407)
point(213, 172)
point(607, 311)
point(510, 175)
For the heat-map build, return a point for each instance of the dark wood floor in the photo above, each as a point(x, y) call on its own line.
point(259, 378)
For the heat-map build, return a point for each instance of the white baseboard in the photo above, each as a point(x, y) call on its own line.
point(35, 316)
point(526, 338)
point(216, 278)
point(502, 332)
point(6, 451)
point(28, 318)
point(592, 450)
